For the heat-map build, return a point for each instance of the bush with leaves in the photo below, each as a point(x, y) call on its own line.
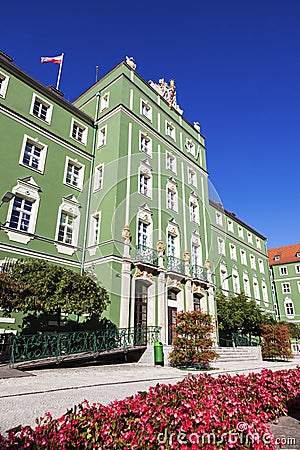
point(192, 345)
point(276, 341)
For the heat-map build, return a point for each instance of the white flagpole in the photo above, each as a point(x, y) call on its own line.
point(59, 72)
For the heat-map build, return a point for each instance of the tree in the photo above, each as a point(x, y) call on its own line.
point(294, 329)
point(237, 314)
point(50, 288)
point(10, 291)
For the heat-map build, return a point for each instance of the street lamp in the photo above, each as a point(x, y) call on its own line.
point(6, 198)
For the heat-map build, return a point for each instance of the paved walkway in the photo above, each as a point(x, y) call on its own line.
point(27, 395)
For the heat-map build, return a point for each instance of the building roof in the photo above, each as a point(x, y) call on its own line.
point(220, 207)
point(282, 255)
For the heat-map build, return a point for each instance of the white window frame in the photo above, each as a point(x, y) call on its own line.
point(261, 266)
point(264, 291)
point(297, 268)
point(4, 84)
point(230, 225)
point(173, 235)
point(243, 257)
point(145, 179)
point(170, 130)
point(144, 228)
point(41, 160)
point(232, 250)
point(286, 288)
point(289, 307)
point(246, 283)
point(44, 102)
point(219, 218)
point(82, 128)
point(241, 232)
point(102, 136)
point(146, 109)
point(104, 103)
point(252, 262)
point(95, 228)
point(250, 237)
point(298, 282)
point(98, 177)
point(258, 243)
point(69, 207)
point(256, 289)
point(192, 178)
point(283, 270)
point(194, 209)
point(26, 189)
point(172, 196)
point(236, 282)
point(81, 167)
point(221, 246)
point(190, 147)
point(145, 143)
point(171, 163)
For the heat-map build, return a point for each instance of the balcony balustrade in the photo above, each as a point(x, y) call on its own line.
point(146, 255)
point(200, 273)
point(175, 265)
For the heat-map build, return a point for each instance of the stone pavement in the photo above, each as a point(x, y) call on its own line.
point(27, 395)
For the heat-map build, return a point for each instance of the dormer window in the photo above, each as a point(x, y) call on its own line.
point(298, 254)
point(276, 258)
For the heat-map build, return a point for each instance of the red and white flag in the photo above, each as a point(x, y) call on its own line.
point(53, 59)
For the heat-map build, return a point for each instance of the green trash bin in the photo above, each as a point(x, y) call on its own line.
point(158, 354)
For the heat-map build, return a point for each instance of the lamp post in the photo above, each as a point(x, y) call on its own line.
point(6, 198)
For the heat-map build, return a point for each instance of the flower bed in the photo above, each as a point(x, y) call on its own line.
point(199, 412)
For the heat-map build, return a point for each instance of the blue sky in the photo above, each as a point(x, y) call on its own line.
point(236, 64)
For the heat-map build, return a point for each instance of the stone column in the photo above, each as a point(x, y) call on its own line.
point(126, 279)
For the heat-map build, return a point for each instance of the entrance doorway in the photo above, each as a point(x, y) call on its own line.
point(140, 313)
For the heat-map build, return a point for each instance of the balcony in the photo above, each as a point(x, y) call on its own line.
point(146, 255)
point(200, 273)
point(175, 265)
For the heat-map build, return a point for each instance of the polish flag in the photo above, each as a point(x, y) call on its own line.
point(53, 59)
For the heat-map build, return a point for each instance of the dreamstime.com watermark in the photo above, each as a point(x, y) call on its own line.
point(241, 436)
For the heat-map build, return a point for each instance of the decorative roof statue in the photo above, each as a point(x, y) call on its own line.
point(168, 92)
point(130, 61)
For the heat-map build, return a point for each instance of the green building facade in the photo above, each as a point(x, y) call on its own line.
point(284, 265)
point(239, 257)
point(116, 183)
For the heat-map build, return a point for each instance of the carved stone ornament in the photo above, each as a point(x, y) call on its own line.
point(168, 92)
point(149, 275)
point(207, 264)
point(186, 256)
point(160, 246)
point(197, 126)
point(130, 61)
point(138, 273)
point(179, 284)
point(126, 235)
point(169, 281)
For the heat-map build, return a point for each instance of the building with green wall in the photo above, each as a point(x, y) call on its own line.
point(117, 183)
point(239, 258)
point(284, 265)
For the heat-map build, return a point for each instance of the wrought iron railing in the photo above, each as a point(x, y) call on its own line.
point(175, 265)
point(146, 255)
point(59, 345)
point(199, 272)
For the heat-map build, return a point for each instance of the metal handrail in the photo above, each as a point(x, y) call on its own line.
point(59, 345)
